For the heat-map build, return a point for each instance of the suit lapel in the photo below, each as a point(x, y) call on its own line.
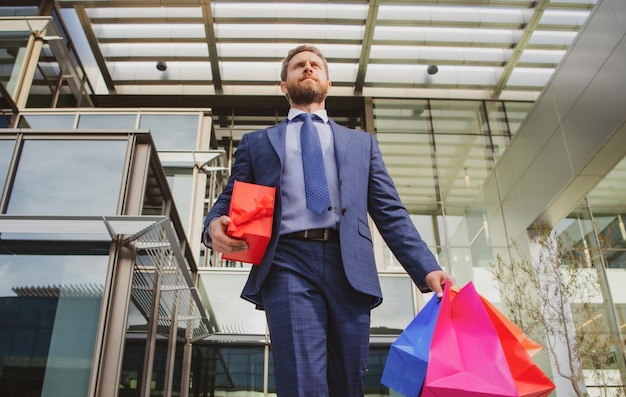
point(341, 140)
point(276, 136)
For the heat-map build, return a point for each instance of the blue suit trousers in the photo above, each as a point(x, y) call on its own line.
point(319, 325)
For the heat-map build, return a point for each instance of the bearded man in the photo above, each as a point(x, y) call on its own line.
point(318, 282)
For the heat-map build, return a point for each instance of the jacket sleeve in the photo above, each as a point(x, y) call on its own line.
point(394, 223)
point(241, 171)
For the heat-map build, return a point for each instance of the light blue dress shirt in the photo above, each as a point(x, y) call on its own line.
point(296, 216)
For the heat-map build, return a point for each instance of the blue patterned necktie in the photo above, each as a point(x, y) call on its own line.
point(315, 182)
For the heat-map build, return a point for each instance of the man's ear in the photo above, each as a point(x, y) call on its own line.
point(283, 87)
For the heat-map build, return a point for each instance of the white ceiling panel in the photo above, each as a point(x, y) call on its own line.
point(493, 49)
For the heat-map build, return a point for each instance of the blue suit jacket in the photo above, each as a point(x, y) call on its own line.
point(365, 187)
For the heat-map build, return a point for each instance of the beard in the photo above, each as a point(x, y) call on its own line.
point(304, 94)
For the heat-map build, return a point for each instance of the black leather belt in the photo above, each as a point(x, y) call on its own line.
point(331, 235)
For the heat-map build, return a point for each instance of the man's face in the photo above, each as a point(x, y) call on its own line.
point(306, 81)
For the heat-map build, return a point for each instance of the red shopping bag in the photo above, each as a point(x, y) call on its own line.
point(503, 324)
point(529, 380)
point(466, 357)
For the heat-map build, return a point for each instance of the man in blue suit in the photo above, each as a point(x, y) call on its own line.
point(318, 280)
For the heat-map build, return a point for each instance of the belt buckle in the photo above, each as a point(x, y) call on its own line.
point(326, 234)
point(324, 238)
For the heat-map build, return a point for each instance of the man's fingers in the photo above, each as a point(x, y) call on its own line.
point(222, 242)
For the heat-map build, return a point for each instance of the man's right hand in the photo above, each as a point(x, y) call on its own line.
point(220, 241)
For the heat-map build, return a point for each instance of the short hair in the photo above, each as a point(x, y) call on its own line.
point(297, 50)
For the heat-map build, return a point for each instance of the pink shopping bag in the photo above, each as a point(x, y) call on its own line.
point(466, 356)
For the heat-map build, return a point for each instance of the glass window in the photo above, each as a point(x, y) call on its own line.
point(18, 11)
point(108, 121)
point(408, 157)
point(133, 365)
point(53, 86)
point(237, 370)
point(497, 118)
point(615, 259)
point(47, 121)
point(233, 315)
point(376, 360)
point(5, 115)
point(457, 117)
point(516, 112)
point(231, 370)
point(172, 131)
point(6, 151)
point(68, 177)
point(181, 186)
point(49, 310)
point(463, 163)
point(396, 311)
point(401, 116)
point(13, 52)
point(609, 195)
point(499, 143)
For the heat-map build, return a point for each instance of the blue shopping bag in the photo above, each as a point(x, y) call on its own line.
point(405, 369)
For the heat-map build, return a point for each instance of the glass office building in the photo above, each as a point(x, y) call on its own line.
point(118, 125)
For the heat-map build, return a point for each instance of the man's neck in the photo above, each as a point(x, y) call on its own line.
point(309, 107)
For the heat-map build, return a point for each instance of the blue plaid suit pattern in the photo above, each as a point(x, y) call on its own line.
point(365, 188)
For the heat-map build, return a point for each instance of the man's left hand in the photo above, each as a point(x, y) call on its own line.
point(436, 280)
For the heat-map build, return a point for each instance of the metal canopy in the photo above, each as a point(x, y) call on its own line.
point(482, 49)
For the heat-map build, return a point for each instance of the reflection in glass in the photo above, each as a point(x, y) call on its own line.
point(67, 177)
point(620, 310)
point(499, 143)
point(396, 311)
point(6, 152)
point(236, 369)
point(133, 365)
point(463, 162)
point(497, 118)
point(609, 195)
point(56, 84)
point(408, 157)
point(401, 116)
point(233, 315)
point(172, 131)
point(588, 243)
point(516, 112)
point(13, 53)
point(47, 121)
point(49, 310)
point(108, 121)
point(6, 116)
point(180, 182)
point(458, 117)
point(615, 259)
point(576, 229)
point(376, 360)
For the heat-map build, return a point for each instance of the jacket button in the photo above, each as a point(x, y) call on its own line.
point(343, 211)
